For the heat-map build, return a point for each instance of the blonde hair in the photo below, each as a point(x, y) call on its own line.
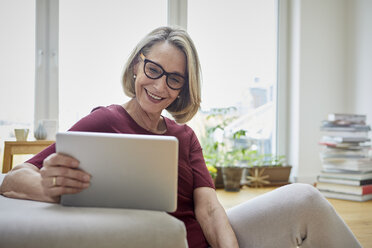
point(188, 103)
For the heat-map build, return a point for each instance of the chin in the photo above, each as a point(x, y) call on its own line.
point(150, 108)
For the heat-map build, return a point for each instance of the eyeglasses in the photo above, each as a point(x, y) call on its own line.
point(153, 70)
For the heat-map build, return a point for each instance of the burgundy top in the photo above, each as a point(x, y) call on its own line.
point(192, 171)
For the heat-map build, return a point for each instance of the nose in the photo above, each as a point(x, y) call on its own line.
point(161, 83)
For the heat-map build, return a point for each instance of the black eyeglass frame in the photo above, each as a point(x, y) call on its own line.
point(145, 61)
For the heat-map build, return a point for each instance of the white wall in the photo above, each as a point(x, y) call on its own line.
point(359, 63)
point(330, 71)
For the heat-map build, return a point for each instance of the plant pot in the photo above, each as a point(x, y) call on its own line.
point(219, 179)
point(214, 181)
point(231, 178)
point(269, 175)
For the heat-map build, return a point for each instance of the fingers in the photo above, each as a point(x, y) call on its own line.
point(57, 159)
point(57, 181)
point(60, 175)
point(57, 186)
point(65, 172)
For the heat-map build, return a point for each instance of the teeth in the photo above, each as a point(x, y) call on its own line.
point(153, 96)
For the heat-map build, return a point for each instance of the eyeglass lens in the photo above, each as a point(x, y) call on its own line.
point(154, 71)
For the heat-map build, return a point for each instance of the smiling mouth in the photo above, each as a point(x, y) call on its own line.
point(155, 97)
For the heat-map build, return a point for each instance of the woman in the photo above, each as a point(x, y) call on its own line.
point(163, 73)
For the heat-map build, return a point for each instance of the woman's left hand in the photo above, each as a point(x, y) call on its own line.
point(60, 175)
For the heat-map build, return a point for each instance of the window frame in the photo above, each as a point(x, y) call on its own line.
point(46, 71)
point(46, 66)
point(282, 92)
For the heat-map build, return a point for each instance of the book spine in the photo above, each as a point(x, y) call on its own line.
point(366, 189)
point(326, 126)
point(338, 181)
point(346, 189)
point(335, 133)
point(339, 139)
point(352, 168)
point(343, 196)
point(346, 175)
point(355, 118)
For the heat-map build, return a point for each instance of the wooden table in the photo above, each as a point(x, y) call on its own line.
point(21, 147)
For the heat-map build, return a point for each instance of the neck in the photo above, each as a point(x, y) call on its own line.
point(152, 122)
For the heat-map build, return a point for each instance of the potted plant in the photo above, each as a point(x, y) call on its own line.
point(232, 169)
point(216, 121)
point(213, 160)
point(222, 152)
point(268, 170)
point(233, 163)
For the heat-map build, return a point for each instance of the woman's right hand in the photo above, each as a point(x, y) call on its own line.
point(60, 175)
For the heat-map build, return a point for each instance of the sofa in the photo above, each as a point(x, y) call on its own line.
point(25, 223)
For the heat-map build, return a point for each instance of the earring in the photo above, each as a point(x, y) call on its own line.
point(134, 76)
point(178, 96)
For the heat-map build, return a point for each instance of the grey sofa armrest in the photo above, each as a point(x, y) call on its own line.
point(26, 223)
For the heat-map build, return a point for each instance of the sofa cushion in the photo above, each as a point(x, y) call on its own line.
point(26, 223)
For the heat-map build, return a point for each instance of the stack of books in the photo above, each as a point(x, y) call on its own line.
point(346, 158)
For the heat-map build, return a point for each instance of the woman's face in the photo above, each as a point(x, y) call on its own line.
point(154, 95)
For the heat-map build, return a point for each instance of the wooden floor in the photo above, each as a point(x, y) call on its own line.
point(357, 215)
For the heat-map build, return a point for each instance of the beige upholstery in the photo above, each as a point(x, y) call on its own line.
point(36, 224)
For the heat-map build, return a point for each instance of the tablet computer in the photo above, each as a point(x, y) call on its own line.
point(128, 170)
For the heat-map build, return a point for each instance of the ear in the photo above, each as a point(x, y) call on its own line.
point(135, 66)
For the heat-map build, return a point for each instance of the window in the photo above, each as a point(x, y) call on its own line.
point(95, 39)
point(236, 41)
point(237, 44)
point(17, 67)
